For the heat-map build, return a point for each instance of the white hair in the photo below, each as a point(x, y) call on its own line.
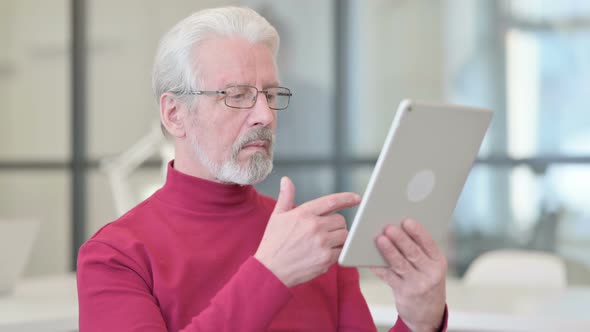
point(176, 65)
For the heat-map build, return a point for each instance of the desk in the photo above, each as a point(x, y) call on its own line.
point(496, 309)
point(41, 304)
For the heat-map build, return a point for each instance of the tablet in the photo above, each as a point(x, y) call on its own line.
point(421, 170)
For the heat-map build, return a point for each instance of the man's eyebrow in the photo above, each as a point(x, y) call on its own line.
point(227, 84)
point(272, 84)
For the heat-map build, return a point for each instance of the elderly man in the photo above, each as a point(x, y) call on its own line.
point(207, 252)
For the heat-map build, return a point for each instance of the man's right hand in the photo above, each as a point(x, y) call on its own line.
point(303, 242)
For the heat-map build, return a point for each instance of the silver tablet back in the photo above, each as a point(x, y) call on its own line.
point(420, 174)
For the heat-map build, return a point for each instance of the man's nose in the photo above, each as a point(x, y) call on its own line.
point(261, 114)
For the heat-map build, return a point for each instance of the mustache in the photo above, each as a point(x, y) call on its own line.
point(258, 134)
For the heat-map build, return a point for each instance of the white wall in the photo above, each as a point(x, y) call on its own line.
point(34, 125)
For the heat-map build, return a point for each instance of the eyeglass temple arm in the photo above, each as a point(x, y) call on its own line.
point(202, 92)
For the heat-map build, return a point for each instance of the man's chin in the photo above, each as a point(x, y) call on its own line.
point(250, 155)
point(253, 150)
point(248, 170)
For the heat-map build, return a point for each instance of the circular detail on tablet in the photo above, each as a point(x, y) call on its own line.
point(421, 185)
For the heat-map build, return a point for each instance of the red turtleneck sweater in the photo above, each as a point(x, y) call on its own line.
point(182, 260)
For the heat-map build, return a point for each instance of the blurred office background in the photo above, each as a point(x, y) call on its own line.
point(75, 93)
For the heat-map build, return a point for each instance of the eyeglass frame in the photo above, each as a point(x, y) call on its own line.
point(265, 92)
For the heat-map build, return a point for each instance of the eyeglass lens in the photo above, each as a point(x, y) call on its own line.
point(245, 97)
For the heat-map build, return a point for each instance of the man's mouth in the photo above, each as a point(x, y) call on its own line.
point(258, 144)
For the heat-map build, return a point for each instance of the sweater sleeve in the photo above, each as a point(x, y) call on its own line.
point(114, 294)
point(354, 314)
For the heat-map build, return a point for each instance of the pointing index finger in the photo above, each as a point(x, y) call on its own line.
point(331, 203)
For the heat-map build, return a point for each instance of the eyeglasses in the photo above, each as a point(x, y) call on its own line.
point(244, 96)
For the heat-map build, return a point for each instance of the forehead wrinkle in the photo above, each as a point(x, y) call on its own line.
point(250, 66)
point(241, 73)
point(231, 81)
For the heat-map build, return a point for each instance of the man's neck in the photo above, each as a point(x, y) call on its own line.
point(186, 164)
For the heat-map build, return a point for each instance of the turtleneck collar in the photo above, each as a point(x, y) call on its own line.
point(200, 195)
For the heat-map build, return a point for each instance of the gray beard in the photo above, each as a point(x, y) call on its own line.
point(253, 171)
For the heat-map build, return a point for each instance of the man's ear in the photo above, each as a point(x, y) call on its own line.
point(171, 111)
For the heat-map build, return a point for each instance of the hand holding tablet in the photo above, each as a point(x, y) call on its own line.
point(420, 174)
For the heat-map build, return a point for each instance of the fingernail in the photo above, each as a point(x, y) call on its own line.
point(283, 180)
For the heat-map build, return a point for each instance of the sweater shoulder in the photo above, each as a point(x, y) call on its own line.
point(134, 234)
point(130, 227)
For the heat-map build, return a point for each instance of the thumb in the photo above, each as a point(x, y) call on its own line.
point(286, 196)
